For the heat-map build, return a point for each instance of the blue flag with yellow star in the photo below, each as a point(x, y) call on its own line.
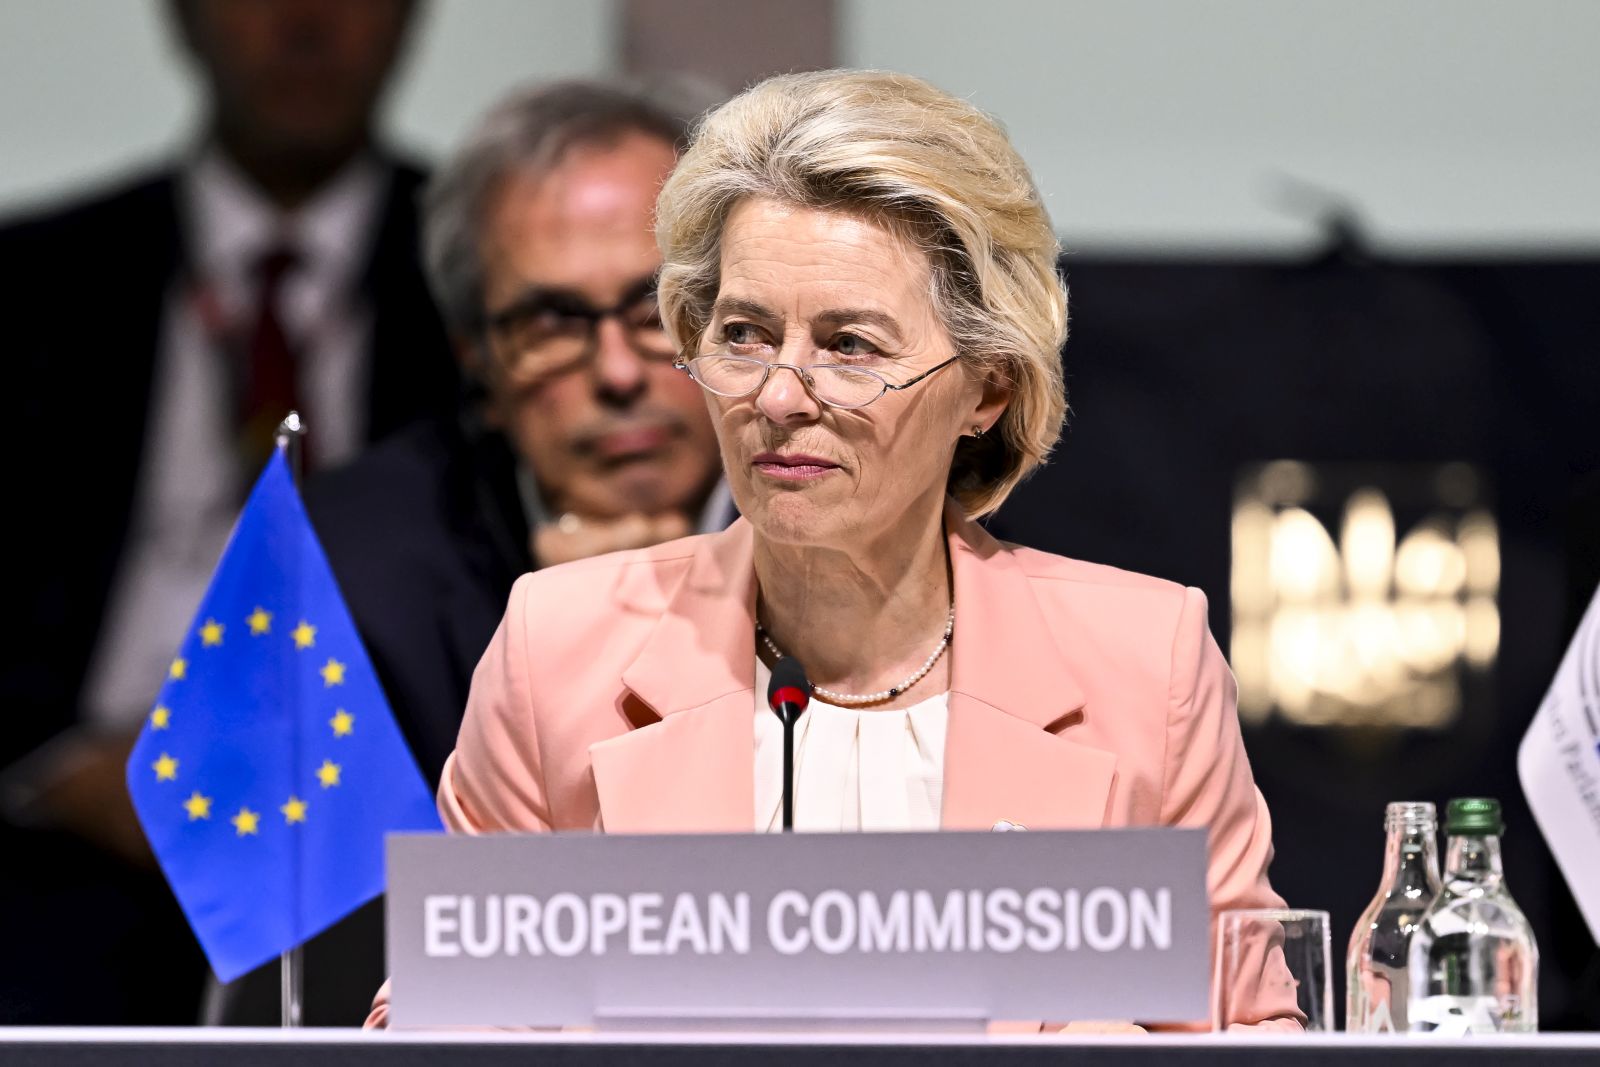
point(271, 767)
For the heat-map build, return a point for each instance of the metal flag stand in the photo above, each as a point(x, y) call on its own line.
point(290, 439)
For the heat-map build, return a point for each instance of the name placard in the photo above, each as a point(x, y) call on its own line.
point(569, 929)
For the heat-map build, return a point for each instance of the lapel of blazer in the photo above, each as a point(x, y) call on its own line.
point(1013, 702)
point(693, 769)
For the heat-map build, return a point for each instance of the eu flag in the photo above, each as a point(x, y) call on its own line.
point(271, 767)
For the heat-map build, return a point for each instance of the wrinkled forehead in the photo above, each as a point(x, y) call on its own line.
point(800, 262)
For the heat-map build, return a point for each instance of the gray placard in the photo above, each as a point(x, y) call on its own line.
point(568, 929)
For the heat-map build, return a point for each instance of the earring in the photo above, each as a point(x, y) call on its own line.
point(977, 433)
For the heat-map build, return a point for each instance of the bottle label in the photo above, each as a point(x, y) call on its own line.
point(1449, 1016)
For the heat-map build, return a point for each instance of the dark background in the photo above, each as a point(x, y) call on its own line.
point(1180, 374)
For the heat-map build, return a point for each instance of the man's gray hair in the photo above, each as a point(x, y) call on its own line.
point(533, 128)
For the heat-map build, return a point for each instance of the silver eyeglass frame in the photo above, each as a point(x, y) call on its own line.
point(686, 364)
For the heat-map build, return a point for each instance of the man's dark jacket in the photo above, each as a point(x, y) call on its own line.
point(426, 534)
point(86, 290)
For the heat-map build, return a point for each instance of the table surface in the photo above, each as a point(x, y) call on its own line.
point(103, 1047)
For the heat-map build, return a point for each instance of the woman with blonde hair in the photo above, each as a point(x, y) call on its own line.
point(861, 275)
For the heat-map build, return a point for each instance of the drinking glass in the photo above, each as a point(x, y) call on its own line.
point(1269, 958)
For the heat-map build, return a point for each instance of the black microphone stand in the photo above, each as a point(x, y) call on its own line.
point(788, 773)
point(788, 693)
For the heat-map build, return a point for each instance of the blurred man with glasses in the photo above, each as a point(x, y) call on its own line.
point(618, 450)
point(577, 437)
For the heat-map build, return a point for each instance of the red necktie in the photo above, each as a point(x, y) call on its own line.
point(269, 391)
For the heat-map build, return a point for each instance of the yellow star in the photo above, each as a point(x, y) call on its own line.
point(342, 722)
point(305, 635)
point(332, 673)
point(294, 811)
point(328, 773)
point(180, 667)
point(198, 806)
point(166, 768)
point(161, 717)
point(259, 621)
point(211, 633)
point(246, 821)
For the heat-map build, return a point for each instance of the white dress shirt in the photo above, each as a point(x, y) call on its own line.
point(190, 482)
point(853, 770)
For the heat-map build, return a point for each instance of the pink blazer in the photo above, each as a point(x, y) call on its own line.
point(617, 695)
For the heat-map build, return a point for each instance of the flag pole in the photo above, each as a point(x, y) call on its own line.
point(290, 438)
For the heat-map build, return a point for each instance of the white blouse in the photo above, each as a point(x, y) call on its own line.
point(853, 770)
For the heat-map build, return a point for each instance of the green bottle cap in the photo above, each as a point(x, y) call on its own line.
point(1473, 815)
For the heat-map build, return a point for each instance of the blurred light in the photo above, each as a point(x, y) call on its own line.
point(1288, 481)
point(1367, 544)
point(1480, 547)
point(1304, 563)
point(1483, 631)
point(1429, 564)
point(1255, 695)
point(1371, 631)
point(1252, 543)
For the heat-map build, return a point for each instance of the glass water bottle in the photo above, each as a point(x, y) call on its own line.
point(1474, 963)
point(1378, 985)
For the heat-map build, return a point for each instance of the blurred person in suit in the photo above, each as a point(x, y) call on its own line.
point(577, 437)
point(162, 328)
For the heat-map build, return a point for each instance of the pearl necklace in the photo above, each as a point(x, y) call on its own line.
point(847, 699)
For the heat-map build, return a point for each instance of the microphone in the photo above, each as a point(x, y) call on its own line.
point(787, 695)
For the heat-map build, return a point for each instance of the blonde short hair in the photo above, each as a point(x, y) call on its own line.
point(934, 169)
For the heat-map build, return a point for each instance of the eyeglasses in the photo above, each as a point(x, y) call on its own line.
point(547, 334)
point(833, 384)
